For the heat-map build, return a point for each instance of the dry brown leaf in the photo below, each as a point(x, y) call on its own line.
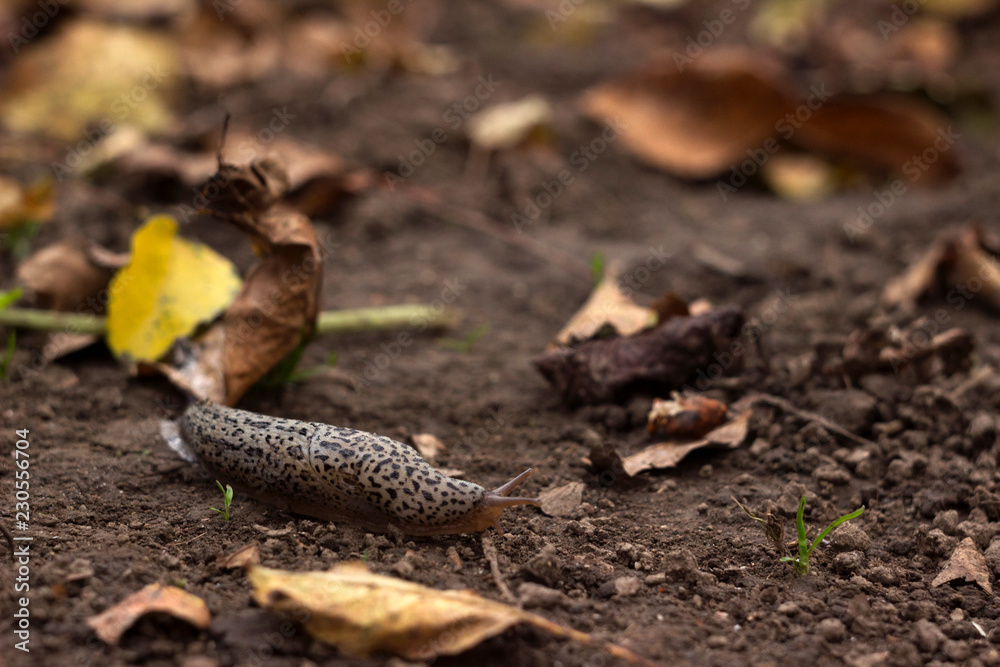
point(197, 366)
point(111, 624)
point(968, 564)
point(907, 139)
point(669, 454)
point(562, 500)
point(695, 121)
point(607, 304)
point(362, 613)
point(429, 445)
point(685, 416)
point(20, 204)
point(242, 557)
point(64, 276)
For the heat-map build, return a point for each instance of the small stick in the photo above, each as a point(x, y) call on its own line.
point(782, 404)
point(331, 321)
point(490, 551)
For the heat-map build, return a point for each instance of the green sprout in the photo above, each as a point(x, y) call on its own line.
point(597, 267)
point(800, 563)
point(227, 498)
point(464, 345)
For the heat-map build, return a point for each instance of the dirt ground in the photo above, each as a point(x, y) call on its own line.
point(114, 509)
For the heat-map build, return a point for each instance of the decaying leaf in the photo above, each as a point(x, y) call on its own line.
point(669, 454)
point(562, 500)
point(896, 135)
point(968, 564)
point(90, 72)
point(956, 266)
point(505, 126)
point(664, 357)
point(429, 445)
point(242, 557)
point(685, 416)
point(607, 305)
point(20, 204)
point(696, 120)
point(169, 287)
point(65, 276)
point(362, 613)
point(110, 625)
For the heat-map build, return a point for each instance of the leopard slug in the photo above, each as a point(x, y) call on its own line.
point(338, 474)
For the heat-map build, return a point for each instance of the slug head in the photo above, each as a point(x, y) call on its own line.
point(487, 512)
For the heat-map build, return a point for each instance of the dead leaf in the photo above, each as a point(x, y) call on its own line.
point(64, 276)
point(968, 564)
point(429, 445)
point(698, 119)
point(507, 125)
point(21, 204)
point(87, 73)
point(668, 454)
point(242, 557)
point(362, 613)
point(562, 500)
point(664, 357)
point(607, 304)
point(890, 134)
point(110, 625)
point(197, 366)
point(685, 416)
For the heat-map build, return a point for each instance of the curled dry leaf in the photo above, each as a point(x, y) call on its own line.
point(957, 265)
point(607, 305)
point(900, 136)
point(64, 276)
point(110, 625)
point(695, 120)
point(664, 357)
point(21, 204)
point(685, 416)
point(668, 454)
point(362, 613)
point(562, 500)
point(242, 557)
point(429, 445)
point(968, 564)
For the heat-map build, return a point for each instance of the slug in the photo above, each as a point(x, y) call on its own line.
point(338, 474)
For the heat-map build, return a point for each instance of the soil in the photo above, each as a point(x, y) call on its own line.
point(666, 565)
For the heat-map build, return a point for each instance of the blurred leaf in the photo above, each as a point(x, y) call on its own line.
point(65, 276)
point(10, 296)
point(168, 288)
point(110, 625)
point(90, 73)
point(507, 125)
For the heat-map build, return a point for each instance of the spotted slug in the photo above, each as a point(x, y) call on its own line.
point(338, 474)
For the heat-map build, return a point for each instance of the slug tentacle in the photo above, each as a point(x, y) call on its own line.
point(339, 474)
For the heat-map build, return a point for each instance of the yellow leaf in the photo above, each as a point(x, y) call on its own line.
point(168, 288)
point(362, 613)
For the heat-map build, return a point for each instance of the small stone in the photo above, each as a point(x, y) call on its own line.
point(831, 629)
point(848, 562)
point(544, 565)
point(880, 574)
point(849, 537)
point(947, 521)
point(702, 508)
point(927, 636)
point(706, 471)
point(655, 579)
point(759, 447)
point(680, 565)
point(627, 586)
point(789, 609)
point(717, 641)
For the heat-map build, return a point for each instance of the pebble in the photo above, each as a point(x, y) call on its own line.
point(848, 562)
point(849, 537)
point(831, 629)
point(544, 565)
point(947, 521)
point(927, 636)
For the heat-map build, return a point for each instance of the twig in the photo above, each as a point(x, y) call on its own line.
point(490, 551)
point(332, 321)
point(785, 405)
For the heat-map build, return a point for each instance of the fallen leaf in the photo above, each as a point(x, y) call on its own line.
point(242, 557)
point(429, 445)
point(664, 357)
point(698, 119)
point(169, 287)
point(110, 625)
point(20, 204)
point(968, 564)
point(562, 500)
point(87, 73)
point(65, 277)
point(362, 613)
point(668, 454)
point(607, 304)
point(685, 416)
point(197, 366)
point(890, 134)
point(507, 125)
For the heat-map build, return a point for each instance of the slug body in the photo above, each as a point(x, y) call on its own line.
point(339, 474)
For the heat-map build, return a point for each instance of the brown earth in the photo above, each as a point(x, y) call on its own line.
point(113, 509)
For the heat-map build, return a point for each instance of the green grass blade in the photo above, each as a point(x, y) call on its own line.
point(847, 517)
point(800, 525)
